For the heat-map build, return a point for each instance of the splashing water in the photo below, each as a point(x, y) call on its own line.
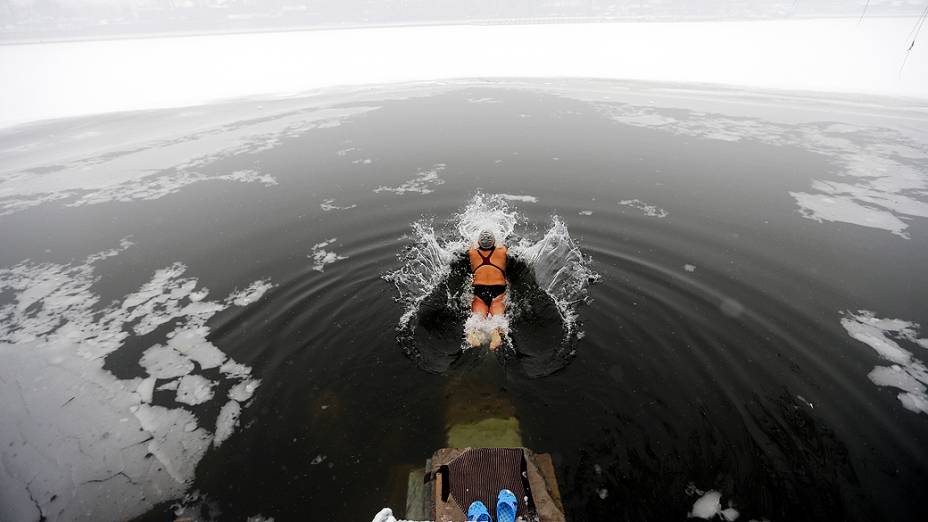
point(435, 274)
point(560, 269)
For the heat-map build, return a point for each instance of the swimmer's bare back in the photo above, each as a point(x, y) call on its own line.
point(489, 269)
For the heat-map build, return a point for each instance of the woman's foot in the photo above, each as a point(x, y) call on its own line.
point(496, 339)
point(474, 339)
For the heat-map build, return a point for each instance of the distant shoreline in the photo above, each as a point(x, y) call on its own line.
point(5, 39)
point(836, 55)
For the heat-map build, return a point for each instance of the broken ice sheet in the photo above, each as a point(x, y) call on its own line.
point(422, 183)
point(322, 257)
point(886, 337)
point(84, 437)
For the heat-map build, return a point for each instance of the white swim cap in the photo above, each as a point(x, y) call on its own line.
point(486, 241)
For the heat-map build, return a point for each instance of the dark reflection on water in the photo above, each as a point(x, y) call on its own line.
point(712, 352)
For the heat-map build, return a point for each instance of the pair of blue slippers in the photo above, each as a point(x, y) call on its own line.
point(506, 507)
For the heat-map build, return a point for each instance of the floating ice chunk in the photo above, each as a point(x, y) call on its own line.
point(178, 449)
point(62, 336)
point(908, 374)
point(194, 389)
point(364, 161)
point(156, 187)
point(250, 176)
point(897, 377)
point(873, 332)
point(243, 391)
point(877, 187)
point(689, 268)
point(165, 363)
point(192, 343)
point(251, 294)
point(234, 369)
point(169, 386)
point(226, 422)
point(124, 244)
point(645, 208)
point(322, 257)
point(820, 207)
point(422, 183)
point(916, 402)
point(519, 197)
point(146, 389)
point(603, 493)
point(159, 163)
point(483, 100)
point(329, 205)
point(384, 515)
point(585, 212)
point(707, 506)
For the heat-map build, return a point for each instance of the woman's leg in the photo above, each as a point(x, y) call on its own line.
point(497, 307)
point(479, 307)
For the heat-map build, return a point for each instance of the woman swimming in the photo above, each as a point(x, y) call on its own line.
point(488, 265)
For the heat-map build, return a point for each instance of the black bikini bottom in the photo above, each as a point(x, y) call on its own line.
point(486, 293)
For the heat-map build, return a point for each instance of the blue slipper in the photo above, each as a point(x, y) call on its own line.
point(506, 506)
point(478, 511)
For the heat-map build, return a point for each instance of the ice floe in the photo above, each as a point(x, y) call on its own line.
point(519, 197)
point(483, 100)
point(243, 391)
point(252, 293)
point(322, 257)
point(423, 183)
point(227, 421)
point(689, 268)
point(83, 436)
point(194, 389)
point(386, 515)
point(907, 373)
point(156, 165)
point(709, 505)
point(585, 212)
point(881, 172)
point(645, 208)
point(329, 205)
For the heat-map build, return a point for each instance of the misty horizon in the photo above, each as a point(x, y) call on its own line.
point(32, 20)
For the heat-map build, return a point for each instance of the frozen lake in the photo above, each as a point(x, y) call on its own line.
point(193, 301)
point(846, 55)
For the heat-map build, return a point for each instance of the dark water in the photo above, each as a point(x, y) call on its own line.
point(712, 355)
